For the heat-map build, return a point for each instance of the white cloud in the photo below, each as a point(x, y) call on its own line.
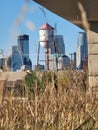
point(30, 25)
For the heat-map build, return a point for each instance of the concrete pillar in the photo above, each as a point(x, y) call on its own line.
point(93, 63)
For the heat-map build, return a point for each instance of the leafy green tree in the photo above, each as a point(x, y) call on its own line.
point(32, 82)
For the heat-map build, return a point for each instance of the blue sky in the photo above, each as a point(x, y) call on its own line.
point(15, 17)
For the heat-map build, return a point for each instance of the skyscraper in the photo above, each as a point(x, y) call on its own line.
point(82, 50)
point(23, 43)
point(16, 58)
point(60, 44)
point(19, 59)
point(59, 51)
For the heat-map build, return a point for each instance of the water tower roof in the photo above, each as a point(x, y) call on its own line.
point(46, 26)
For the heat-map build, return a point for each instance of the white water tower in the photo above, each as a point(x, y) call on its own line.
point(46, 40)
point(46, 34)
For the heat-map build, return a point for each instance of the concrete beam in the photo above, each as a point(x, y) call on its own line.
point(69, 9)
point(93, 63)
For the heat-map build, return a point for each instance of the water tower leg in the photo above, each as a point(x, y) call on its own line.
point(38, 56)
point(93, 63)
point(47, 57)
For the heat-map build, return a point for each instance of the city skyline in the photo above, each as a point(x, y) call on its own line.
point(21, 17)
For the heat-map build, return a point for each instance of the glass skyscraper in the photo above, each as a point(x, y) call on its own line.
point(59, 51)
point(60, 44)
point(82, 50)
point(19, 59)
point(23, 43)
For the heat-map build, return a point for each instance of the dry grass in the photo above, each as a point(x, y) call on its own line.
point(62, 105)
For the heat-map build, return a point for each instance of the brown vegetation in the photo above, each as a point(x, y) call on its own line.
point(55, 101)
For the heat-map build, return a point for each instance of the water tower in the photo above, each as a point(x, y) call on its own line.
point(46, 40)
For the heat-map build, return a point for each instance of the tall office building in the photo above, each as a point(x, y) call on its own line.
point(59, 51)
point(59, 60)
point(16, 58)
point(82, 50)
point(19, 59)
point(23, 43)
point(60, 44)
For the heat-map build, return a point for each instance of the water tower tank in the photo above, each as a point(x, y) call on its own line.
point(46, 34)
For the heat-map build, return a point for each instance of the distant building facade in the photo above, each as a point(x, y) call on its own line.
point(60, 46)
point(59, 53)
point(23, 44)
point(63, 62)
point(82, 50)
point(19, 58)
point(16, 58)
point(2, 60)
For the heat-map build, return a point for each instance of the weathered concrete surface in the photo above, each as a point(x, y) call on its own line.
point(93, 49)
point(10, 79)
point(93, 62)
point(69, 10)
point(12, 76)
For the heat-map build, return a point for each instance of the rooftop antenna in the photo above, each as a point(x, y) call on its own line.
point(44, 13)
